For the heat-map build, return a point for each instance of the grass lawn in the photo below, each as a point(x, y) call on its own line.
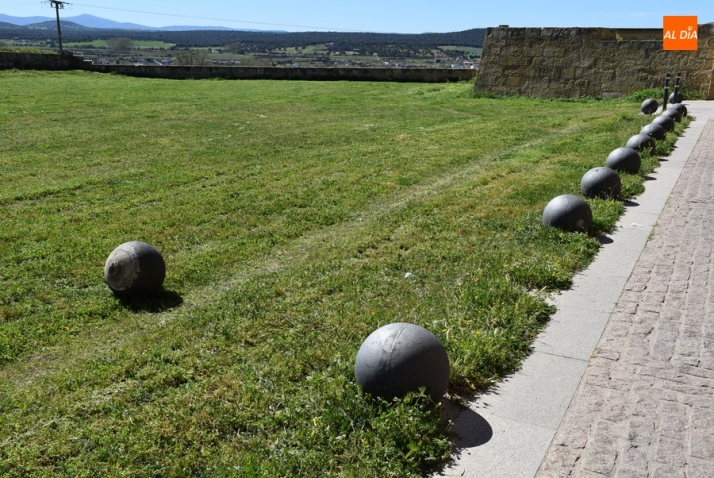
point(288, 214)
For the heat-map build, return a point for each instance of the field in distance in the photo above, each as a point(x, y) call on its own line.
point(288, 214)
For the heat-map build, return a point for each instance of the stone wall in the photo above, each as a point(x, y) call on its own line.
point(24, 61)
point(595, 62)
point(36, 61)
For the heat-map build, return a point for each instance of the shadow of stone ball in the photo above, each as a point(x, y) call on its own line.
point(675, 98)
point(679, 107)
point(602, 183)
point(400, 358)
point(667, 122)
point(641, 142)
point(655, 131)
point(625, 159)
point(649, 106)
point(568, 213)
point(674, 114)
point(134, 269)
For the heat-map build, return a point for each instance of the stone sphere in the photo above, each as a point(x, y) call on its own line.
point(625, 159)
point(400, 358)
point(679, 107)
point(134, 269)
point(674, 114)
point(649, 106)
point(641, 142)
point(665, 121)
point(568, 213)
point(676, 98)
point(602, 183)
point(655, 131)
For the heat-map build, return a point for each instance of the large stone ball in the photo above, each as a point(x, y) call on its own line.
point(601, 182)
point(134, 269)
point(641, 142)
point(681, 108)
point(568, 213)
point(625, 159)
point(665, 121)
point(400, 358)
point(675, 98)
point(655, 131)
point(673, 113)
point(649, 106)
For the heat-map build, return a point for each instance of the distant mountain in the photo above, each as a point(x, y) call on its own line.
point(10, 26)
point(52, 26)
point(22, 21)
point(96, 22)
point(90, 21)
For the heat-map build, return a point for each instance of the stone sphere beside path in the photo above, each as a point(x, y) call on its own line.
point(624, 159)
point(641, 142)
point(568, 213)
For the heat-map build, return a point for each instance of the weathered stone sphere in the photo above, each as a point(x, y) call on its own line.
point(667, 122)
point(655, 131)
point(676, 98)
point(400, 358)
point(568, 213)
point(679, 107)
point(641, 142)
point(601, 182)
point(624, 159)
point(649, 106)
point(674, 114)
point(134, 269)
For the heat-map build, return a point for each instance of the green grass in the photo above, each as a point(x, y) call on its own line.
point(288, 214)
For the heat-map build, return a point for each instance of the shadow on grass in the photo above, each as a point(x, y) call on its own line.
point(164, 300)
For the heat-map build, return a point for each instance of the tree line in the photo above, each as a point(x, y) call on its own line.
point(253, 42)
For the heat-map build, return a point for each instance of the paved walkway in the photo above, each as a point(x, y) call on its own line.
point(621, 384)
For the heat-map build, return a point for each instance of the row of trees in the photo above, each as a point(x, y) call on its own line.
point(262, 41)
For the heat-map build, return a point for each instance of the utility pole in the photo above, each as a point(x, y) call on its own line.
point(57, 4)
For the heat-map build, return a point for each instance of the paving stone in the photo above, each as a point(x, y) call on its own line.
point(645, 407)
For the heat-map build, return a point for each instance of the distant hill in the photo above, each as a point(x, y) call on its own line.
point(86, 28)
point(90, 21)
point(22, 21)
point(9, 26)
point(52, 26)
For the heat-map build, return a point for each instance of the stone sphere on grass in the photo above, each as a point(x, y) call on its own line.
point(679, 107)
point(641, 142)
point(625, 159)
point(400, 358)
point(665, 121)
point(135, 269)
point(675, 98)
point(655, 131)
point(601, 182)
point(568, 213)
point(649, 106)
point(673, 113)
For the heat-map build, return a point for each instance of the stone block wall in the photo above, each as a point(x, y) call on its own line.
point(589, 62)
point(33, 61)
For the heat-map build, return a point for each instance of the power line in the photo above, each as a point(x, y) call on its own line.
point(216, 19)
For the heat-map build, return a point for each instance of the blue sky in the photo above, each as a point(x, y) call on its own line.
point(399, 16)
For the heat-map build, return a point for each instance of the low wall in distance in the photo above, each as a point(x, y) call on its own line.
point(28, 61)
point(38, 61)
